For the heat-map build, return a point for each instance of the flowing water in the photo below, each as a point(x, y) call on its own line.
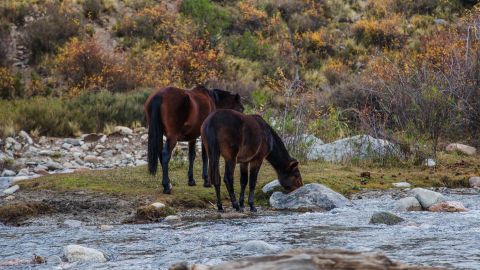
point(439, 239)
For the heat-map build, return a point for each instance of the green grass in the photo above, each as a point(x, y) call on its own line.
point(453, 171)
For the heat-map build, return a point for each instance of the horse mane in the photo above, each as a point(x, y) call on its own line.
point(278, 157)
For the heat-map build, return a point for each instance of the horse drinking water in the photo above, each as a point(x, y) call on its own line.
point(245, 139)
point(178, 114)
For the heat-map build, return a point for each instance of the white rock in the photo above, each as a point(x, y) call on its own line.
point(123, 130)
point(77, 253)
point(271, 186)
point(448, 206)
point(144, 137)
point(8, 173)
point(140, 163)
point(93, 159)
point(23, 171)
point(72, 141)
point(86, 146)
point(429, 162)
point(11, 190)
point(126, 140)
point(158, 205)
point(474, 182)
point(258, 246)
point(402, 185)
point(462, 148)
point(52, 165)
point(427, 197)
point(103, 139)
point(172, 218)
point(105, 227)
point(66, 146)
point(26, 137)
point(73, 223)
point(408, 204)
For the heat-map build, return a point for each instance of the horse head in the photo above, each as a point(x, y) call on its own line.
point(290, 178)
point(226, 100)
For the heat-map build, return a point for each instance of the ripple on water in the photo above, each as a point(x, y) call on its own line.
point(441, 239)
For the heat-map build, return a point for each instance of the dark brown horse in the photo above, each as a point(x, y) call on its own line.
point(178, 114)
point(248, 140)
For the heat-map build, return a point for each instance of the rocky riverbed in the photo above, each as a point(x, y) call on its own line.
point(23, 157)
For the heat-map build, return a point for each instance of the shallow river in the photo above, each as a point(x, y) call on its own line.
point(439, 239)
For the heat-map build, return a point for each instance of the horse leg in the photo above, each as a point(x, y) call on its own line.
point(254, 169)
point(191, 159)
point(219, 199)
point(243, 184)
point(228, 179)
point(166, 155)
point(206, 183)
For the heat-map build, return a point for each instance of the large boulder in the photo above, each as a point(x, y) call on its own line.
point(408, 204)
point(11, 190)
point(360, 146)
point(310, 196)
point(309, 259)
point(77, 253)
point(385, 218)
point(474, 181)
point(427, 197)
point(447, 206)
point(462, 148)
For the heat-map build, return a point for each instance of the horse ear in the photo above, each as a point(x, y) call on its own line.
point(237, 97)
point(293, 164)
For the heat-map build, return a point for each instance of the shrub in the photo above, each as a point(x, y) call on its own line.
point(11, 85)
point(45, 34)
point(4, 41)
point(151, 23)
point(92, 8)
point(87, 66)
point(335, 72)
point(247, 46)
point(381, 33)
point(186, 63)
point(214, 18)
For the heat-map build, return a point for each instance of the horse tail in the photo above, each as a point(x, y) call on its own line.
point(155, 134)
point(213, 154)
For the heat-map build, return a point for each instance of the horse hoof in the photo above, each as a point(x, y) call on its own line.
point(236, 206)
point(192, 183)
point(167, 191)
point(253, 209)
point(207, 185)
point(221, 210)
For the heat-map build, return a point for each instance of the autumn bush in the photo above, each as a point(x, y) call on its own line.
point(151, 23)
point(247, 46)
point(85, 66)
point(382, 33)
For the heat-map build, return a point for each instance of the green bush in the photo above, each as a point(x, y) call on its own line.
point(247, 46)
point(65, 117)
point(215, 18)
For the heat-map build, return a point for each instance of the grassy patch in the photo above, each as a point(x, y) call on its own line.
point(346, 179)
point(14, 213)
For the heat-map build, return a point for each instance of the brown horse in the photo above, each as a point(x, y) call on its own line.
point(248, 140)
point(178, 114)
